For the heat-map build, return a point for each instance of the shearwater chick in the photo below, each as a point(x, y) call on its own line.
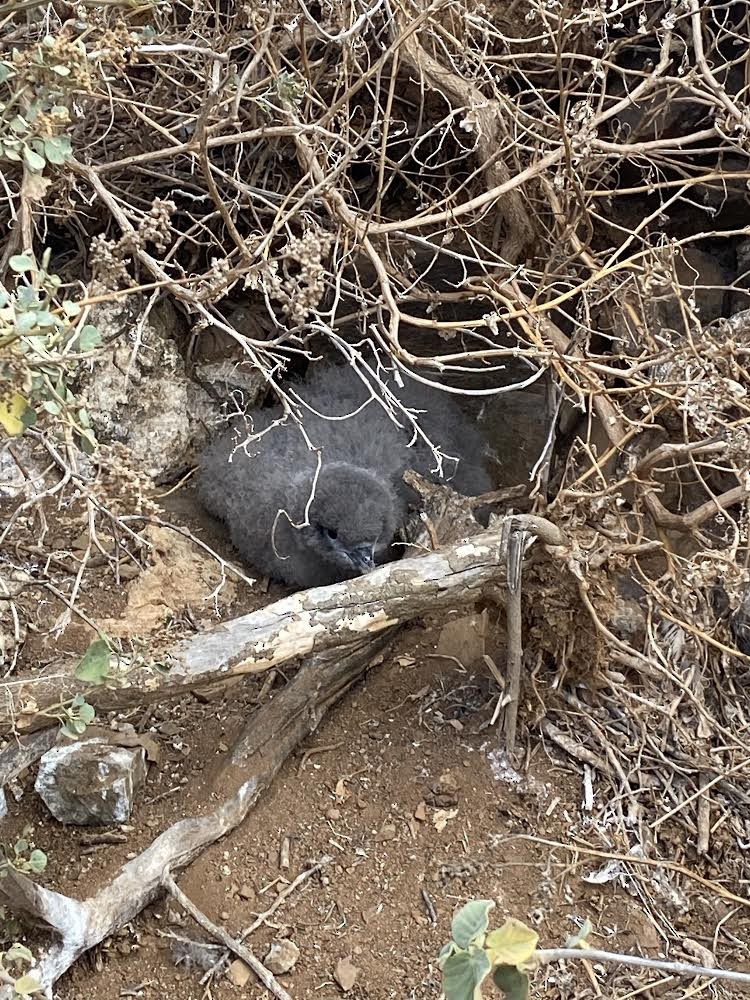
point(310, 524)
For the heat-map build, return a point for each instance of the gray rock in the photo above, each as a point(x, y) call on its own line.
point(22, 482)
point(137, 391)
point(90, 783)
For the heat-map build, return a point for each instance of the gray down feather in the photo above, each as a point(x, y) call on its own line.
point(264, 490)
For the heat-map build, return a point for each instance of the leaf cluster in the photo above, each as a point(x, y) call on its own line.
point(76, 717)
point(43, 339)
point(18, 954)
point(23, 856)
point(36, 89)
point(507, 954)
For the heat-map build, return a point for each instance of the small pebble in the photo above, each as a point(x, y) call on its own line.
point(238, 973)
point(387, 832)
point(282, 957)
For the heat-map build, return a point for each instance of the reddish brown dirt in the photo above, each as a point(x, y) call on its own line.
point(400, 787)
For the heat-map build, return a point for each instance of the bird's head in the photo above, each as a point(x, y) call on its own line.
point(353, 517)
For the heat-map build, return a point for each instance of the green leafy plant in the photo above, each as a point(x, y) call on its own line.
point(103, 665)
point(77, 714)
point(18, 955)
point(286, 89)
point(77, 717)
point(93, 667)
point(23, 856)
point(473, 954)
point(42, 339)
point(36, 91)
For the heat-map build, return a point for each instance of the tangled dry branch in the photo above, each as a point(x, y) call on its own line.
point(490, 197)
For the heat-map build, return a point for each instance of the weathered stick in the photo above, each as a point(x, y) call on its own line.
point(219, 934)
point(297, 626)
point(270, 736)
point(514, 660)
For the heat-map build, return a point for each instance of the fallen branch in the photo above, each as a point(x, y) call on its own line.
point(514, 654)
point(545, 956)
point(270, 736)
point(226, 939)
point(262, 917)
point(306, 623)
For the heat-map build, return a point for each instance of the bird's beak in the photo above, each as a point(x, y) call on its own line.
point(362, 558)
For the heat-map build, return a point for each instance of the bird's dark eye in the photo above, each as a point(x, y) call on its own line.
point(329, 533)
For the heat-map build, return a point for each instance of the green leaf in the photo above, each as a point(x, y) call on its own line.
point(514, 984)
point(51, 407)
point(61, 70)
point(94, 665)
point(26, 322)
point(11, 153)
point(67, 730)
point(19, 126)
point(28, 418)
point(83, 418)
point(28, 297)
point(580, 938)
point(71, 309)
point(21, 846)
point(19, 953)
point(87, 714)
point(89, 338)
point(57, 149)
point(471, 921)
point(87, 441)
point(463, 973)
point(21, 263)
point(33, 160)
point(37, 861)
point(446, 951)
point(5, 72)
point(45, 318)
point(511, 944)
point(27, 985)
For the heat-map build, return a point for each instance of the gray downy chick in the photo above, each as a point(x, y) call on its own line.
point(310, 525)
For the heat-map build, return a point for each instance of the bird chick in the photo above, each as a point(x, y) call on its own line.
point(310, 523)
point(352, 519)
